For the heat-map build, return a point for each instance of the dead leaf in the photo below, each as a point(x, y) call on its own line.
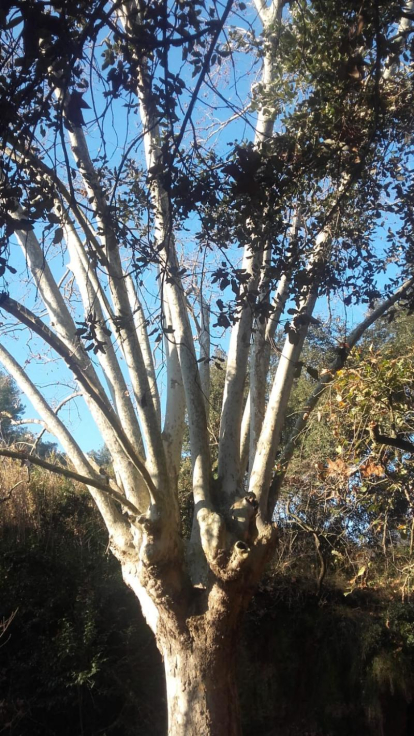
point(339, 467)
point(371, 469)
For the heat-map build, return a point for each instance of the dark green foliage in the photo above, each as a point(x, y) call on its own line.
point(342, 668)
point(78, 656)
point(79, 659)
point(11, 408)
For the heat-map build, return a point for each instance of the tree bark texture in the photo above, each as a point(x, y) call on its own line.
point(197, 632)
point(201, 686)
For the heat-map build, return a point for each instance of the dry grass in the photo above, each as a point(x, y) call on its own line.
point(25, 493)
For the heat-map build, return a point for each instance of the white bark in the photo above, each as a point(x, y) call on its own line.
point(111, 516)
point(132, 480)
point(269, 12)
point(60, 318)
point(62, 321)
point(106, 356)
point(91, 393)
point(148, 607)
point(260, 361)
point(175, 408)
point(192, 387)
point(152, 480)
point(261, 471)
point(270, 16)
point(269, 439)
point(172, 290)
point(237, 359)
point(404, 25)
point(204, 341)
point(261, 352)
point(270, 436)
point(133, 355)
point(140, 323)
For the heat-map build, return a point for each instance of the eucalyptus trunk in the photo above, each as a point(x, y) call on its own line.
point(197, 632)
point(200, 675)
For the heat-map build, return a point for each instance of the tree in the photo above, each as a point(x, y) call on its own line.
point(318, 173)
point(11, 408)
point(12, 426)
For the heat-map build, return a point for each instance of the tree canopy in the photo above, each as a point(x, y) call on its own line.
point(183, 179)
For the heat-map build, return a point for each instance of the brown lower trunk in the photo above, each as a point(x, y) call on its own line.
point(201, 689)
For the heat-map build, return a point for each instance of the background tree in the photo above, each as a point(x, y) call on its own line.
point(318, 173)
point(11, 408)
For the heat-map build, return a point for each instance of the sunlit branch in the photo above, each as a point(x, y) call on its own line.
point(230, 450)
point(106, 353)
point(171, 289)
point(93, 482)
point(175, 402)
point(34, 323)
point(204, 341)
point(147, 415)
point(142, 334)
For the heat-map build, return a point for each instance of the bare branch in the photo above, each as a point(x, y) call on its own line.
point(204, 340)
point(61, 404)
point(269, 13)
point(399, 442)
point(107, 357)
point(9, 495)
point(142, 334)
point(175, 406)
point(148, 418)
point(30, 320)
point(93, 482)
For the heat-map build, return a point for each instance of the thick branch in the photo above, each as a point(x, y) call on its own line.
point(237, 360)
point(269, 439)
point(170, 283)
point(175, 406)
point(142, 334)
point(113, 519)
point(261, 351)
point(279, 302)
point(62, 320)
point(399, 442)
point(253, 258)
point(204, 341)
point(132, 349)
point(269, 13)
point(26, 158)
point(107, 356)
point(34, 323)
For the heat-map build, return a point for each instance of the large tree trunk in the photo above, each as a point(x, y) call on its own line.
point(197, 637)
point(197, 629)
point(201, 688)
